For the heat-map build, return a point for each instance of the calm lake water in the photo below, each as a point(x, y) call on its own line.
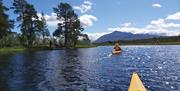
point(91, 69)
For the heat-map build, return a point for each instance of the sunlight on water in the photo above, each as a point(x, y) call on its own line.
point(92, 69)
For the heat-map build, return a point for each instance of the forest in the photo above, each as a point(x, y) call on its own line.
point(34, 30)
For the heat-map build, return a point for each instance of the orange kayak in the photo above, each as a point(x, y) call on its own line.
point(116, 52)
point(136, 83)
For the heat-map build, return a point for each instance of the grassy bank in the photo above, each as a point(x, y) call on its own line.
point(21, 49)
point(12, 49)
point(6, 50)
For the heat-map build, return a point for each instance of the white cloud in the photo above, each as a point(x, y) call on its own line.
point(172, 26)
point(159, 31)
point(85, 7)
point(175, 16)
point(87, 20)
point(94, 36)
point(157, 22)
point(160, 23)
point(51, 19)
point(159, 27)
point(156, 5)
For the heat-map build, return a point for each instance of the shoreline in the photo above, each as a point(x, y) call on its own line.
point(138, 44)
point(7, 50)
point(168, 43)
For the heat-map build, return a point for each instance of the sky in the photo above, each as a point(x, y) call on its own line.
point(100, 17)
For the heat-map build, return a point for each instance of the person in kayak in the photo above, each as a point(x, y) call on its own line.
point(117, 47)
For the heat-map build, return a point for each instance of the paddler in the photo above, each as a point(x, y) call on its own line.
point(117, 47)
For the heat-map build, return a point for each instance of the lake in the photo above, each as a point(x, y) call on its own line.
point(91, 69)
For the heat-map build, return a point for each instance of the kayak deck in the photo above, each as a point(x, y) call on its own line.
point(136, 84)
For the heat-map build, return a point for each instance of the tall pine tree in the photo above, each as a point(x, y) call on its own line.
point(70, 25)
point(45, 31)
point(27, 16)
point(5, 23)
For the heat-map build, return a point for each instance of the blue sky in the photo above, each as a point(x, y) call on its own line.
point(104, 16)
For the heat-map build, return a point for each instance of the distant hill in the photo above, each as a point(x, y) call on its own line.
point(116, 35)
point(165, 40)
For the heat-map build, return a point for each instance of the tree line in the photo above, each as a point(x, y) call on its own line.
point(33, 27)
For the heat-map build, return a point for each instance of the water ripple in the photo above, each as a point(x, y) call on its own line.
point(92, 69)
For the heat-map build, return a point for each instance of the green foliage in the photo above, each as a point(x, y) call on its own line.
point(70, 28)
point(44, 27)
point(34, 31)
point(10, 40)
point(5, 23)
point(30, 24)
point(83, 42)
point(59, 31)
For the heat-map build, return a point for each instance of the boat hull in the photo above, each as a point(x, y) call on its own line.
point(116, 52)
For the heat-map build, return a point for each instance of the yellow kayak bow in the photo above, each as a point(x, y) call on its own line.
point(136, 84)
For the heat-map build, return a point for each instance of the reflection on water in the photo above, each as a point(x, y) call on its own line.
point(91, 69)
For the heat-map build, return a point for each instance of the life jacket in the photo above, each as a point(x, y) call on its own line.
point(117, 48)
